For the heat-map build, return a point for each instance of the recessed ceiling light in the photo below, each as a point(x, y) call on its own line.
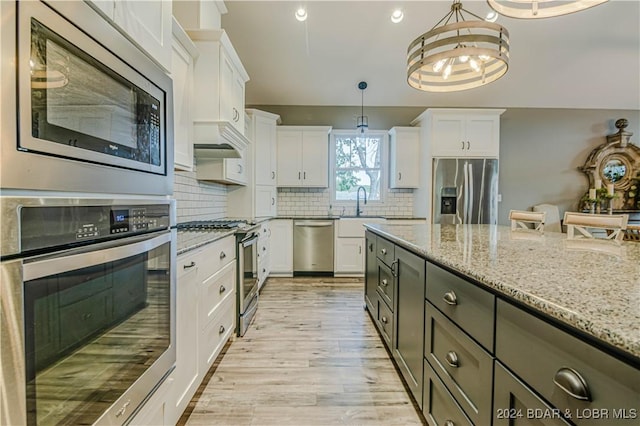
point(491, 16)
point(301, 14)
point(397, 16)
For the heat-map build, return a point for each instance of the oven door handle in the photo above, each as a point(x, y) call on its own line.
point(98, 254)
point(250, 241)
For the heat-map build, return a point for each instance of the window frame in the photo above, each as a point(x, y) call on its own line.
point(384, 165)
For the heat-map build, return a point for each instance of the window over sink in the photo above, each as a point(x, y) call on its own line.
point(357, 160)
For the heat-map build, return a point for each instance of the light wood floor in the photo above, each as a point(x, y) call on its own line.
point(311, 357)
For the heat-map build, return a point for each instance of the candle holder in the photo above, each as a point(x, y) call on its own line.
point(610, 208)
point(592, 208)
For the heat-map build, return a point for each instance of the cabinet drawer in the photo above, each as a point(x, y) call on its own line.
point(213, 290)
point(516, 405)
point(438, 406)
point(386, 284)
point(464, 367)
point(215, 335)
point(549, 359)
point(466, 304)
point(215, 256)
point(385, 250)
point(385, 322)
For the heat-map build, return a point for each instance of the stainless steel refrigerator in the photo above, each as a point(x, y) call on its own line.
point(465, 190)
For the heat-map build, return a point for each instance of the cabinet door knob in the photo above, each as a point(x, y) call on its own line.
point(450, 298)
point(223, 255)
point(384, 282)
point(452, 359)
point(383, 251)
point(191, 265)
point(222, 289)
point(383, 319)
point(571, 382)
point(449, 423)
point(221, 329)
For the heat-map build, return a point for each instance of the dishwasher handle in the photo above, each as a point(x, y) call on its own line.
point(314, 223)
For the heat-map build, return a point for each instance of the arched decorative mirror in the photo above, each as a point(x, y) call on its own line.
point(617, 162)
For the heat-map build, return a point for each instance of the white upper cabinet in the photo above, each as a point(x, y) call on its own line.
point(148, 24)
point(465, 133)
point(220, 79)
point(107, 7)
point(404, 157)
point(264, 142)
point(303, 156)
point(183, 56)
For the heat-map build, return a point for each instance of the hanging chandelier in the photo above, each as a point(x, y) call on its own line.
point(535, 9)
point(458, 54)
point(362, 123)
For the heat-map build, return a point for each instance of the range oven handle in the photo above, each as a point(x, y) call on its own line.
point(249, 240)
point(98, 254)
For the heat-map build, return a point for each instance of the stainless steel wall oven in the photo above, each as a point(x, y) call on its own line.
point(93, 113)
point(88, 302)
point(247, 292)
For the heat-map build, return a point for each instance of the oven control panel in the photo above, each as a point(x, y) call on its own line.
point(60, 225)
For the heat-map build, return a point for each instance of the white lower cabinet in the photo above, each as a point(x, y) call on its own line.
point(156, 410)
point(205, 320)
point(349, 256)
point(264, 249)
point(281, 244)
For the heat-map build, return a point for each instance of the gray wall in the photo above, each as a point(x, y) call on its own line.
point(540, 149)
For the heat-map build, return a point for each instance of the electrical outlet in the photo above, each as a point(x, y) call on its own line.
point(499, 198)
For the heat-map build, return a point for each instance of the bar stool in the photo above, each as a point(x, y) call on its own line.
point(580, 224)
point(521, 219)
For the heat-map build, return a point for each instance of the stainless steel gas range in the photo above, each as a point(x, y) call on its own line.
point(247, 266)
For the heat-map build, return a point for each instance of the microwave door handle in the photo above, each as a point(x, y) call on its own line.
point(82, 258)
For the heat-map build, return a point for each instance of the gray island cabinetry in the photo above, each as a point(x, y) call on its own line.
point(489, 328)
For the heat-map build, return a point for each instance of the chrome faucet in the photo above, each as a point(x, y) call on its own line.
point(358, 211)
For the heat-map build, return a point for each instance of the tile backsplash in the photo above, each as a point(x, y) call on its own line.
point(197, 200)
point(316, 201)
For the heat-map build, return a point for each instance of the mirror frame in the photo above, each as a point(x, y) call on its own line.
point(618, 146)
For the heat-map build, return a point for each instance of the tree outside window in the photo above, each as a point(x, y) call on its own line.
point(358, 163)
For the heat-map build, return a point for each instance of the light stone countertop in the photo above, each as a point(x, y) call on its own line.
point(592, 286)
point(191, 240)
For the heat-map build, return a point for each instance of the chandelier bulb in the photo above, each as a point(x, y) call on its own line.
point(474, 65)
point(437, 67)
point(447, 71)
point(463, 58)
point(484, 58)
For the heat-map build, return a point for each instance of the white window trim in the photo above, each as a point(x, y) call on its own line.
point(384, 167)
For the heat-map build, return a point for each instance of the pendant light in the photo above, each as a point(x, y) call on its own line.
point(362, 124)
point(535, 9)
point(458, 54)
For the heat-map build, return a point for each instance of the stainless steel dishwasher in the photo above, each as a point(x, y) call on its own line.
point(313, 247)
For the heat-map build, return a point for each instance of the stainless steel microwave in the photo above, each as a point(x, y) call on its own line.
point(92, 112)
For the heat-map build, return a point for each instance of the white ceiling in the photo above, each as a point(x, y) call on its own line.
point(590, 59)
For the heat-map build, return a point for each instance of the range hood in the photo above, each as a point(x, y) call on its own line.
point(217, 139)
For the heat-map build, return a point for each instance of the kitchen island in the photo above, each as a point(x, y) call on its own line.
point(539, 320)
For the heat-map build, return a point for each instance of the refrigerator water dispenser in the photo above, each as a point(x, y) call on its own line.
point(448, 198)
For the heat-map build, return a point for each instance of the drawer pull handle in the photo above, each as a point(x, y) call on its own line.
point(384, 319)
point(223, 255)
point(450, 298)
point(394, 265)
point(222, 289)
point(383, 251)
point(384, 282)
point(449, 423)
point(222, 329)
point(191, 265)
point(570, 381)
point(452, 359)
